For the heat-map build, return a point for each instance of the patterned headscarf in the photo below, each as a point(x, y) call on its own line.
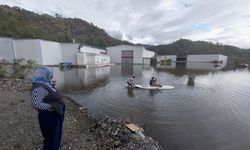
point(42, 75)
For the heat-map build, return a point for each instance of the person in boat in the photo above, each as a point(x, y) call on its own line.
point(131, 82)
point(153, 82)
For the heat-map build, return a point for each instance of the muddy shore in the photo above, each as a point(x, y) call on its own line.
point(20, 128)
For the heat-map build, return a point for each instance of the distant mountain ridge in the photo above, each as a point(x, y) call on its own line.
point(20, 23)
point(187, 47)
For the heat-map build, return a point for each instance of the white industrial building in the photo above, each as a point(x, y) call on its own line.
point(130, 54)
point(6, 49)
point(204, 66)
point(69, 52)
point(52, 53)
point(43, 52)
point(207, 58)
point(92, 56)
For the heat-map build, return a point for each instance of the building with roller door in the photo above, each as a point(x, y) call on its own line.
point(130, 54)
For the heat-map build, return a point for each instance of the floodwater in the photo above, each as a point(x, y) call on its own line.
point(214, 114)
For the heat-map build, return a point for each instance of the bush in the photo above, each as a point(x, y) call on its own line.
point(166, 62)
point(21, 68)
point(2, 71)
point(31, 64)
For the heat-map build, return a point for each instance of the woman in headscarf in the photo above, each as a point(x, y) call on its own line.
point(50, 106)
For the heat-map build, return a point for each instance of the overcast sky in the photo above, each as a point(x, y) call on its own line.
point(156, 21)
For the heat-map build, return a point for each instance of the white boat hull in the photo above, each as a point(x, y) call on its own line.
point(148, 87)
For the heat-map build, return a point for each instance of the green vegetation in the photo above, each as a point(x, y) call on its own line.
point(166, 62)
point(2, 71)
point(20, 23)
point(21, 68)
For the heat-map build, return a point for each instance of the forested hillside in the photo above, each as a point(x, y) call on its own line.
point(185, 47)
point(20, 23)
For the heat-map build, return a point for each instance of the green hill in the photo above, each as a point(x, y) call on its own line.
point(187, 47)
point(20, 23)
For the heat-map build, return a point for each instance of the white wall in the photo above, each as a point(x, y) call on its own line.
point(89, 59)
point(147, 61)
point(203, 66)
point(85, 58)
point(80, 58)
point(92, 59)
point(148, 54)
point(51, 52)
point(204, 58)
point(28, 49)
point(223, 58)
point(6, 49)
point(102, 59)
point(69, 52)
point(115, 53)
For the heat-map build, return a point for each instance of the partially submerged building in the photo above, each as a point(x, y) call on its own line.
point(209, 58)
point(42, 51)
point(52, 53)
point(130, 54)
point(6, 49)
point(212, 58)
point(92, 56)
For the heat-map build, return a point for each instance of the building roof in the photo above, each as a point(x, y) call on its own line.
point(83, 44)
point(126, 45)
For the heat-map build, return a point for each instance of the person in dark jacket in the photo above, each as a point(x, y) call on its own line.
point(153, 82)
point(50, 106)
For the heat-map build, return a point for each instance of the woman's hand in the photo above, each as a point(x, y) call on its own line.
point(51, 109)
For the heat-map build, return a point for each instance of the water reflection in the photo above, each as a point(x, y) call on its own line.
point(213, 114)
point(131, 92)
point(80, 78)
point(181, 69)
point(153, 92)
point(204, 66)
point(127, 70)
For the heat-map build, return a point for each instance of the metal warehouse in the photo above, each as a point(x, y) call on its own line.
point(130, 54)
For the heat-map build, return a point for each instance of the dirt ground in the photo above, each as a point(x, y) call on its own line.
point(19, 126)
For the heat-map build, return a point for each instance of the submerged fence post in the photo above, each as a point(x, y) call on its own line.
point(191, 78)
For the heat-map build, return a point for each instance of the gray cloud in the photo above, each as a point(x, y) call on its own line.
point(156, 21)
